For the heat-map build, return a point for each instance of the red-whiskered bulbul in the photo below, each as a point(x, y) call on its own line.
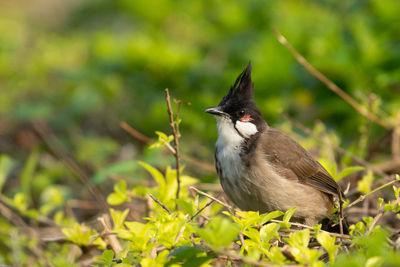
point(263, 169)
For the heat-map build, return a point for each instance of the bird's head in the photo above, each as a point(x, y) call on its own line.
point(238, 109)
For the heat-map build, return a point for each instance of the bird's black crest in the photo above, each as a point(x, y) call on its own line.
point(242, 90)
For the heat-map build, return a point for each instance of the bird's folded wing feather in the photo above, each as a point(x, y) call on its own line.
point(292, 161)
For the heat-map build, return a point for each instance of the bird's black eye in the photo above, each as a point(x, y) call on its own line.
point(241, 112)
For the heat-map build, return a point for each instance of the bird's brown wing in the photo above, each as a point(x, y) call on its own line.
point(292, 161)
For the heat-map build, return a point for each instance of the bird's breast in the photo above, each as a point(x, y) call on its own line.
point(232, 173)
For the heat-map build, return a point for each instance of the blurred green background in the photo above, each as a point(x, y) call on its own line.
point(85, 66)
point(82, 67)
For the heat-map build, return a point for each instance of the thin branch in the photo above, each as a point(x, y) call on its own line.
point(175, 133)
point(213, 198)
point(200, 210)
point(180, 234)
point(375, 220)
point(343, 236)
point(109, 237)
point(138, 135)
point(362, 197)
point(396, 139)
point(159, 203)
point(332, 86)
point(101, 235)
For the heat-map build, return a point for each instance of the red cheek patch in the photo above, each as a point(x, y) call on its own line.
point(246, 117)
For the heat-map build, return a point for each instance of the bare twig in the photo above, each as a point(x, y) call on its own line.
point(83, 204)
point(200, 210)
point(103, 234)
point(241, 239)
point(388, 166)
point(159, 203)
point(175, 132)
point(375, 220)
point(332, 86)
point(341, 212)
point(138, 135)
point(110, 238)
point(180, 234)
point(362, 197)
point(343, 236)
point(396, 139)
point(213, 198)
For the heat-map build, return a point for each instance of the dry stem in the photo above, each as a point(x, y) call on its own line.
point(396, 139)
point(160, 203)
point(362, 197)
point(332, 86)
point(175, 133)
point(110, 238)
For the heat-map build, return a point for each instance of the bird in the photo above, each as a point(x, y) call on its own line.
point(263, 169)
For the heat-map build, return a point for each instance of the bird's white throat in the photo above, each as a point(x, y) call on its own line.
point(229, 143)
point(229, 136)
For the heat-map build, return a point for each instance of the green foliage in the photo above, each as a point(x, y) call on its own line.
point(328, 243)
point(219, 232)
point(119, 196)
point(364, 185)
point(81, 235)
point(331, 167)
point(163, 139)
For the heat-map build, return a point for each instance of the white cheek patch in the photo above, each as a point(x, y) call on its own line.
point(246, 128)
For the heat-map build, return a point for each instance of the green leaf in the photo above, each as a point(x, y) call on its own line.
point(329, 165)
point(396, 191)
point(118, 217)
point(108, 256)
point(185, 206)
point(374, 261)
point(299, 239)
point(28, 171)
point(348, 171)
point(219, 232)
point(162, 140)
point(271, 215)
point(6, 165)
point(268, 231)
point(357, 229)
point(157, 175)
point(188, 256)
point(364, 185)
point(328, 243)
point(119, 196)
point(78, 233)
point(287, 216)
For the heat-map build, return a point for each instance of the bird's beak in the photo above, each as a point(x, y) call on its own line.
point(215, 111)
